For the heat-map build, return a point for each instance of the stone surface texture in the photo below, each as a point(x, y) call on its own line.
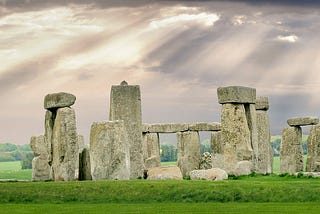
point(313, 148)
point(236, 94)
point(109, 151)
point(262, 103)
point(265, 156)
point(84, 165)
point(125, 104)
point(64, 145)
point(243, 168)
point(303, 121)
point(41, 170)
point(291, 155)
point(251, 115)
point(179, 127)
point(164, 173)
point(59, 100)
point(214, 174)
point(188, 151)
point(236, 136)
point(206, 161)
point(217, 147)
point(151, 150)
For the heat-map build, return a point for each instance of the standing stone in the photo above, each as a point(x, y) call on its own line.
point(84, 165)
point(235, 135)
point(64, 145)
point(291, 158)
point(125, 104)
point(188, 151)
point(151, 150)
point(217, 147)
point(313, 148)
point(41, 170)
point(109, 151)
point(58, 100)
point(81, 146)
point(265, 156)
point(48, 130)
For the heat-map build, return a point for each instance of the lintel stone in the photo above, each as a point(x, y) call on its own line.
point(303, 121)
point(262, 103)
point(180, 127)
point(59, 100)
point(236, 94)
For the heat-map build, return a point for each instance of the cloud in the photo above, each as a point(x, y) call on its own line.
point(291, 38)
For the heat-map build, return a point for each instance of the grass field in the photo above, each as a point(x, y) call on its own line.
point(12, 170)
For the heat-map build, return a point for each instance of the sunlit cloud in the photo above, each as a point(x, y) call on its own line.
point(291, 38)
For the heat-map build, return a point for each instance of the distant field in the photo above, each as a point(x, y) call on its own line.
point(168, 163)
point(12, 170)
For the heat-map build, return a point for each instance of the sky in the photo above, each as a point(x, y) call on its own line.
point(179, 52)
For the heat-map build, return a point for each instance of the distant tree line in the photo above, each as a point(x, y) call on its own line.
point(11, 152)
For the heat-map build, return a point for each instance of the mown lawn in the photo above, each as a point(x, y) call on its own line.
point(247, 208)
point(12, 170)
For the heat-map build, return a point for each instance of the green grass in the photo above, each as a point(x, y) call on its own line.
point(12, 170)
point(169, 163)
point(163, 208)
point(257, 189)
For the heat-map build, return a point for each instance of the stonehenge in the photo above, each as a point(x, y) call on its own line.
point(124, 148)
point(57, 151)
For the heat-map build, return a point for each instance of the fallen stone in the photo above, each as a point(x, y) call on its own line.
point(303, 121)
point(214, 174)
point(291, 153)
point(109, 151)
point(236, 94)
point(262, 103)
point(164, 173)
point(308, 174)
point(58, 100)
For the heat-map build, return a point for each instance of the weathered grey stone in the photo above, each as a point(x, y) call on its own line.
point(48, 125)
point(308, 174)
point(151, 150)
point(243, 168)
point(265, 157)
point(262, 103)
point(164, 173)
point(81, 146)
point(64, 145)
point(109, 151)
point(179, 127)
point(125, 104)
point(205, 161)
point(313, 148)
point(236, 94)
point(84, 165)
point(41, 170)
point(58, 100)
point(217, 147)
point(303, 121)
point(235, 135)
point(214, 174)
point(188, 151)
point(251, 115)
point(291, 159)
point(165, 127)
point(204, 127)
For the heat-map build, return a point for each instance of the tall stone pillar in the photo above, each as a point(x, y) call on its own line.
point(238, 126)
point(291, 158)
point(313, 148)
point(125, 104)
point(188, 151)
point(151, 150)
point(109, 152)
point(217, 147)
point(265, 156)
